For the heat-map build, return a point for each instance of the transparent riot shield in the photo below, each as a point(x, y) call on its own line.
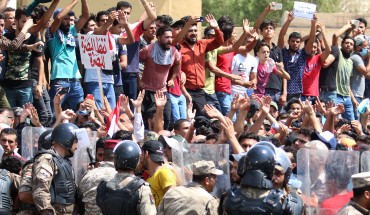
point(81, 160)
point(365, 161)
point(326, 178)
point(182, 172)
point(30, 137)
point(219, 154)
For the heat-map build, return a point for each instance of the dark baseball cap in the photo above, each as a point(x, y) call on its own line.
point(57, 11)
point(154, 149)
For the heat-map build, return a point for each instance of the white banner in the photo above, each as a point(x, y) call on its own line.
point(95, 52)
point(304, 10)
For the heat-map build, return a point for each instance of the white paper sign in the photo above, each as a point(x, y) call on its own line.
point(304, 10)
point(94, 50)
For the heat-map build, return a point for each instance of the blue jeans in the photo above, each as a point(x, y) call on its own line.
point(326, 96)
point(43, 108)
point(357, 114)
point(72, 99)
point(129, 82)
point(213, 100)
point(108, 91)
point(225, 102)
point(274, 94)
point(348, 106)
point(178, 107)
point(19, 97)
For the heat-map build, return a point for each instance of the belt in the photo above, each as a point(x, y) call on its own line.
point(66, 79)
point(327, 89)
point(129, 74)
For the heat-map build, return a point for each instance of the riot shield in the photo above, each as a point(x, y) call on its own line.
point(30, 137)
point(81, 160)
point(219, 154)
point(326, 178)
point(182, 172)
point(365, 161)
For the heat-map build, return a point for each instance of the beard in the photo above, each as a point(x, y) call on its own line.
point(190, 40)
point(164, 46)
point(64, 28)
point(70, 153)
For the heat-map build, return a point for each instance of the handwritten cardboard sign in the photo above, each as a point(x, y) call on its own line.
point(304, 10)
point(95, 52)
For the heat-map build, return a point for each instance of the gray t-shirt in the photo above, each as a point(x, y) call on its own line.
point(357, 79)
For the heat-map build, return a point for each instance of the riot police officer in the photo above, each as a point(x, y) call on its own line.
point(53, 185)
point(125, 193)
point(256, 194)
point(26, 205)
point(9, 184)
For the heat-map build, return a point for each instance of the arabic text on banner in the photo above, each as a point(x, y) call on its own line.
point(304, 10)
point(95, 51)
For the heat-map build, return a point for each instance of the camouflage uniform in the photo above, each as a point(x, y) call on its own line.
point(89, 183)
point(352, 208)
point(26, 186)
point(189, 199)
point(44, 169)
point(146, 204)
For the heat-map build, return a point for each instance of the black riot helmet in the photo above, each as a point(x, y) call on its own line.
point(45, 140)
point(64, 135)
point(126, 155)
point(262, 158)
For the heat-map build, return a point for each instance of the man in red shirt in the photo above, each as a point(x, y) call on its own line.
point(193, 53)
point(310, 80)
point(159, 58)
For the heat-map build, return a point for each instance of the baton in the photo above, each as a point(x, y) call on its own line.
point(91, 157)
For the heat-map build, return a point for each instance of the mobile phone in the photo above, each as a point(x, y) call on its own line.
point(63, 91)
point(355, 23)
point(277, 6)
point(90, 96)
point(40, 47)
point(201, 19)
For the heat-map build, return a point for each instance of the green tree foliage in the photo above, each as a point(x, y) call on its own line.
point(251, 9)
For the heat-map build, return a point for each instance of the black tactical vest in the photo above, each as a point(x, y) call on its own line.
point(122, 201)
point(237, 204)
point(63, 187)
point(6, 202)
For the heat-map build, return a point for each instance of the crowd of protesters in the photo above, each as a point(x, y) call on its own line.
point(169, 89)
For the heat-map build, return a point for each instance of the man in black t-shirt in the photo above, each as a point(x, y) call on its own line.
point(327, 79)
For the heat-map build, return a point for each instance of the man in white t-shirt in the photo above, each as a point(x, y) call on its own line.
point(244, 65)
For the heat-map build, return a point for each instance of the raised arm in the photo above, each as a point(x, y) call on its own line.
point(129, 35)
point(180, 36)
point(284, 29)
point(6, 44)
point(160, 102)
point(340, 32)
point(150, 11)
point(42, 24)
point(325, 54)
point(85, 14)
point(58, 20)
point(311, 39)
point(281, 72)
point(262, 16)
point(3, 4)
point(219, 39)
point(239, 42)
